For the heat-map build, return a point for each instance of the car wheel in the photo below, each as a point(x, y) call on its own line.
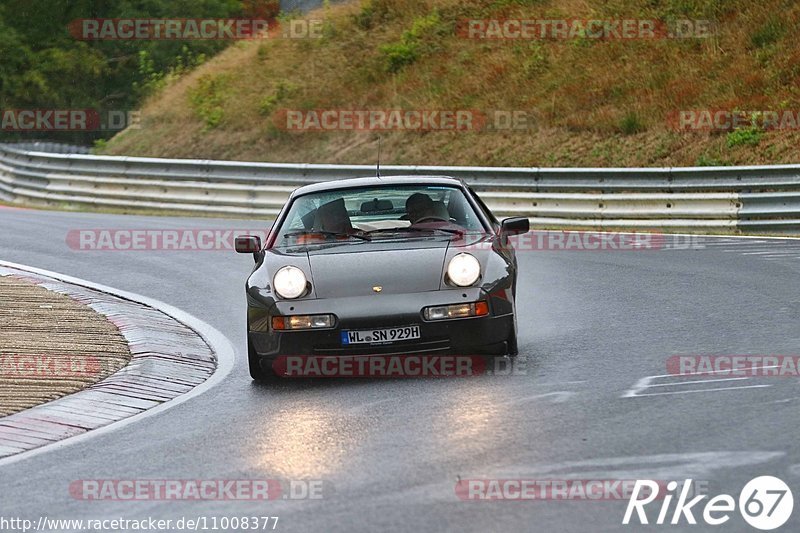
point(511, 342)
point(256, 371)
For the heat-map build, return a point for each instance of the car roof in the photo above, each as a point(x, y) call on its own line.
point(375, 181)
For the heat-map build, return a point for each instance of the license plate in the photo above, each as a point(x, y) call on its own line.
point(380, 336)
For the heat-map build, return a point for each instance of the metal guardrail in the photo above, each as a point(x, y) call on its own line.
point(754, 199)
point(50, 147)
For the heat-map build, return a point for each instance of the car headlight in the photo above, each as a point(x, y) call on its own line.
point(289, 282)
point(464, 270)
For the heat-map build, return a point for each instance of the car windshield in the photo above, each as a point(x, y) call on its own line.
point(376, 212)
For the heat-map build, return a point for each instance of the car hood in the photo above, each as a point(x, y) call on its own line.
point(396, 269)
point(354, 268)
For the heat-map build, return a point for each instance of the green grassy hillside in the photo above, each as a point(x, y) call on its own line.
point(594, 102)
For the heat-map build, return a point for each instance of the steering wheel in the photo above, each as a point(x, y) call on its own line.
point(430, 219)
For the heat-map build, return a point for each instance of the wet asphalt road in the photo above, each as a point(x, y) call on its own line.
point(391, 452)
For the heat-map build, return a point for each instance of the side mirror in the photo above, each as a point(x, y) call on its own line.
point(515, 226)
point(248, 244)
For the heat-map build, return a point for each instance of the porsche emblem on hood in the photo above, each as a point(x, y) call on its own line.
point(377, 288)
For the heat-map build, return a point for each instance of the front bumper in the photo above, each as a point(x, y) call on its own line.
point(463, 336)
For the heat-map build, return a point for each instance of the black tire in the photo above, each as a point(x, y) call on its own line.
point(511, 342)
point(257, 372)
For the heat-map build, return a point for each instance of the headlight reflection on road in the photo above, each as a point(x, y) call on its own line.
point(472, 413)
point(307, 441)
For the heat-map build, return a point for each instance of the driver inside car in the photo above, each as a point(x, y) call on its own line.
point(421, 208)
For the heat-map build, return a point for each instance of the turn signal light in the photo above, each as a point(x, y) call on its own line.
point(302, 322)
point(444, 312)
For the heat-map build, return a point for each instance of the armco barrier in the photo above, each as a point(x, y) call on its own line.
point(50, 147)
point(753, 199)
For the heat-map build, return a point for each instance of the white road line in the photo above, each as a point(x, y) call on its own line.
point(750, 251)
point(762, 246)
point(699, 390)
point(786, 400)
point(785, 254)
point(704, 373)
point(693, 382)
point(647, 382)
point(746, 245)
point(767, 252)
point(640, 386)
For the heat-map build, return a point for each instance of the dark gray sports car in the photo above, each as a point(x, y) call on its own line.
point(382, 266)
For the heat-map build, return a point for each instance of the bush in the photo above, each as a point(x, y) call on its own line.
point(631, 124)
point(420, 37)
point(771, 32)
point(282, 91)
point(206, 100)
point(154, 80)
point(365, 18)
point(745, 137)
point(398, 55)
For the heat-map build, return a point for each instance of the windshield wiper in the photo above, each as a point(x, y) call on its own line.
point(446, 230)
point(409, 229)
point(327, 233)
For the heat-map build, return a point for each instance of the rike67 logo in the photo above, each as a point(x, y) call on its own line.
point(765, 503)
